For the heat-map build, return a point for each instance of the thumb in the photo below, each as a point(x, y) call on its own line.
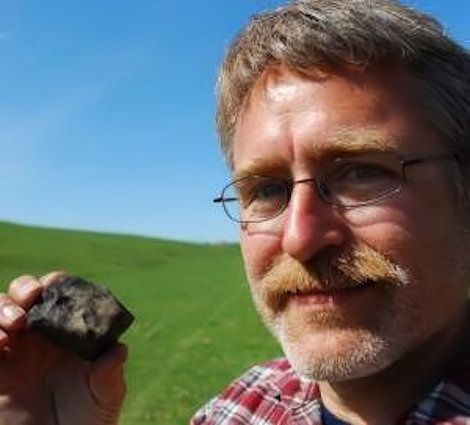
point(106, 378)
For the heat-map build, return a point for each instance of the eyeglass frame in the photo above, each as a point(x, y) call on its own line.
point(318, 184)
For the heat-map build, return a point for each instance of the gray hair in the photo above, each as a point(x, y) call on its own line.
point(308, 34)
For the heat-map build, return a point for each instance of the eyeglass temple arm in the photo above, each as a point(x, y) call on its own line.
point(222, 199)
point(412, 161)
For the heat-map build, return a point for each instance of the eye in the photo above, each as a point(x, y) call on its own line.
point(266, 190)
point(364, 173)
point(355, 181)
point(256, 198)
point(261, 190)
point(360, 179)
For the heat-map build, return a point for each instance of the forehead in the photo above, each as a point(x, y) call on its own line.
point(294, 119)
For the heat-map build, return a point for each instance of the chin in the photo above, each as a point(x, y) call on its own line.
point(329, 348)
point(337, 345)
point(337, 355)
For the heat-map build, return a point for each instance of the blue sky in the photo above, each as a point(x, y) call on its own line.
point(106, 111)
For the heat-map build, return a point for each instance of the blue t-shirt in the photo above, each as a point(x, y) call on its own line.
point(329, 419)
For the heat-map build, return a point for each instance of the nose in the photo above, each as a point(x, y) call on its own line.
point(310, 225)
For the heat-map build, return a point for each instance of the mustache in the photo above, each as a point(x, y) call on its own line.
point(360, 266)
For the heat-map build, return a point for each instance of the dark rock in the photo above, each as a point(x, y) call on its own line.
point(79, 316)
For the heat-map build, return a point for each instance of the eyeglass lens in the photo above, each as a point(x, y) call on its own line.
point(344, 181)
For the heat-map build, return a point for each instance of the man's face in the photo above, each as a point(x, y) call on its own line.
point(348, 291)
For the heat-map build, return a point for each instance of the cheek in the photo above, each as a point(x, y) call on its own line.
point(421, 244)
point(259, 250)
point(423, 241)
point(387, 229)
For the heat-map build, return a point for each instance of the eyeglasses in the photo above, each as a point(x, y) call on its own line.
point(346, 181)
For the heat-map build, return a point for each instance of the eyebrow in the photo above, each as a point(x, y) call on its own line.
point(343, 142)
point(261, 165)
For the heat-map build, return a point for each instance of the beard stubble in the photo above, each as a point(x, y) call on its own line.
point(366, 346)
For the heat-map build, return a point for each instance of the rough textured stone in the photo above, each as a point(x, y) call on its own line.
point(79, 316)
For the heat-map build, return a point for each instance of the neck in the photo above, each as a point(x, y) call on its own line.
point(383, 397)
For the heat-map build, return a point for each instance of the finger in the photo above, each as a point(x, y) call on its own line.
point(4, 339)
point(53, 278)
point(106, 379)
point(12, 316)
point(24, 290)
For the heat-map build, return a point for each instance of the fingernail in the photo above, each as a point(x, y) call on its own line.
point(12, 312)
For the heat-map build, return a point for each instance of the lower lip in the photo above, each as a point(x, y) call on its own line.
point(333, 298)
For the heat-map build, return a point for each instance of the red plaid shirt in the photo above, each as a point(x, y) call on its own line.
point(273, 394)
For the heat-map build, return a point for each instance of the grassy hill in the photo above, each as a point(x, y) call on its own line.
point(195, 326)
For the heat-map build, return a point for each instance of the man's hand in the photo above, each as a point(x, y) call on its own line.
point(43, 385)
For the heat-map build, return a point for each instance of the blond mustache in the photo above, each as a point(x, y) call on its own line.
point(360, 266)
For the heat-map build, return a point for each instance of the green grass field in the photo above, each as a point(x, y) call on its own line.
point(195, 327)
